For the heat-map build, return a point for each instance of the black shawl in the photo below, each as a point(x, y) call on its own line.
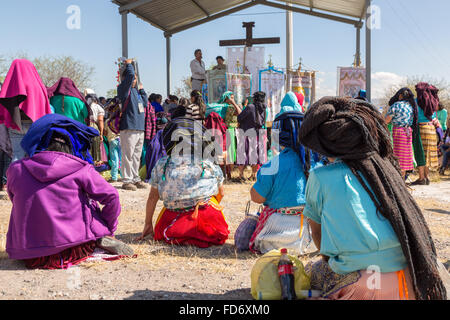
point(354, 131)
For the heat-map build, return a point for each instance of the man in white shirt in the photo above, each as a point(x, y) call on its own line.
point(198, 71)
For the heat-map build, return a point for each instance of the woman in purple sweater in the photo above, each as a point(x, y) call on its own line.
point(55, 220)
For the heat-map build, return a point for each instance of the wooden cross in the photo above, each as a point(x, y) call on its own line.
point(249, 41)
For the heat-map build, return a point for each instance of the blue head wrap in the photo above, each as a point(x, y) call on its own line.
point(288, 123)
point(39, 135)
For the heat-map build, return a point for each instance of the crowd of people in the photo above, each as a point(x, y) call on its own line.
point(337, 175)
point(418, 133)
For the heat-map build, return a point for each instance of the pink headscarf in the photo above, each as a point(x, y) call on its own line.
point(300, 99)
point(22, 90)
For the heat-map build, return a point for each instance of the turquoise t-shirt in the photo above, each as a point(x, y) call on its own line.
point(354, 236)
point(282, 181)
point(442, 117)
point(421, 116)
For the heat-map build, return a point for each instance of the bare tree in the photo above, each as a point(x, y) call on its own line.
point(51, 69)
point(185, 89)
point(442, 85)
point(111, 93)
point(3, 68)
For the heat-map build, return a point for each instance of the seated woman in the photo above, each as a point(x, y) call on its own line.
point(190, 187)
point(55, 219)
point(281, 187)
point(374, 239)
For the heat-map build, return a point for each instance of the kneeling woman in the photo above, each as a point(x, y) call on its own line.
point(281, 187)
point(190, 187)
point(55, 219)
point(374, 239)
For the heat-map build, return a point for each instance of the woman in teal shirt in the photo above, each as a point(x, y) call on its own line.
point(363, 218)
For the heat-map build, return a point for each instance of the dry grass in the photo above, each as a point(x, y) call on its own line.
point(170, 271)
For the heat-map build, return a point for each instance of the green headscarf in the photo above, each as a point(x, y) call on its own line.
point(226, 95)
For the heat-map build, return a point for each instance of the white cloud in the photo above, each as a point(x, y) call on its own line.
point(382, 81)
point(325, 84)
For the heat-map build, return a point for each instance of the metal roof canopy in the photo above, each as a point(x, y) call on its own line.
point(173, 16)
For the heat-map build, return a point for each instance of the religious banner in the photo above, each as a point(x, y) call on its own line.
point(350, 81)
point(217, 84)
point(240, 85)
point(252, 58)
point(272, 83)
point(303, 82)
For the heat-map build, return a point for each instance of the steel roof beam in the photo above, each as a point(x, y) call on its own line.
point(211, 18)
point(140, 17)
point(356, 23)
point(133, 5)
point(200, 7)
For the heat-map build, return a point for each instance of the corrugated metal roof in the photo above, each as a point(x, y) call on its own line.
point(350, 8)
point(177, 15)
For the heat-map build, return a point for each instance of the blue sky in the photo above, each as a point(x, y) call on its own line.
point(413, 40)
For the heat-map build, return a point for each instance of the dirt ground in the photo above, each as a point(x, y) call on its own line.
point(162, 271)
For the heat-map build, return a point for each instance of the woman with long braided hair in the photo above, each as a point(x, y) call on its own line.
point(403, 115)
point(361, 213)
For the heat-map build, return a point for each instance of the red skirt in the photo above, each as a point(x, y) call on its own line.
point(203, 226)
point(64, 259)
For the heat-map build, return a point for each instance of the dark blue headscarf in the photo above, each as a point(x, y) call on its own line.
point(288, 123)
point(39, 135)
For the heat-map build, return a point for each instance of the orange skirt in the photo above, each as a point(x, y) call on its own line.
point(392, 286)
point(202, 226)
point(360, 285)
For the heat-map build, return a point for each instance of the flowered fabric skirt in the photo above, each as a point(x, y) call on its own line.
point(402, 139)
point(360, 285)
point(280, 228)
point(202, 226)
point(429, 143)
point(63, 260)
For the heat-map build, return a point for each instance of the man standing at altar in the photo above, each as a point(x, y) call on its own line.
point(198, 71)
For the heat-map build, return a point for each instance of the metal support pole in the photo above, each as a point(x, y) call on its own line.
point(358, 47)
point(125, 34)
point(168, 64)
point(289, 44)
point(368, 52)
